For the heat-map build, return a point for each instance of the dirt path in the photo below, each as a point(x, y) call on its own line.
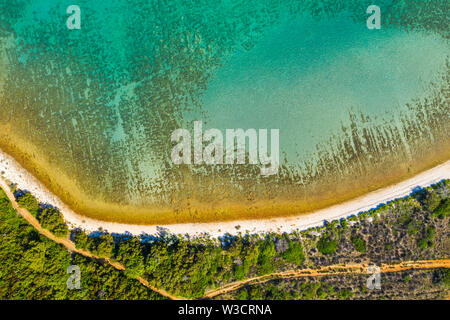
point(328, 270)
point(71, 246)
point(290, 274)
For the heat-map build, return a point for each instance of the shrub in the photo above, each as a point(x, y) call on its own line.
point(294, 254)
point(4, 203)
point(430, 200)
point(359, 244)
point(326, 245)
point(53, 220)
point(345, 294)
point(238, 272)
point(27, 201)
point(422, 244)
point(81, 240)
point(443, 210)
point(442, 276)
point(265, 258)
point(104, 245)
point(129, 252)
point(242, 295)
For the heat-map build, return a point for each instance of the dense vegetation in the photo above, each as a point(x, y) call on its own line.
point(412, 228)
point(33, 267)
point(411, 284)
point(49, 217)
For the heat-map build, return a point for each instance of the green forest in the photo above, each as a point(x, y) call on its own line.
point(33, 267)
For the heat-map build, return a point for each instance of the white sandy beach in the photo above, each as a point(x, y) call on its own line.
point(11, 170)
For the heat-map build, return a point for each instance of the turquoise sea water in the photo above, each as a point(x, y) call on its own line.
point(305, 76)
point(91, 111)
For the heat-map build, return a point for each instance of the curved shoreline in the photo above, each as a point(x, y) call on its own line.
point(11, 170)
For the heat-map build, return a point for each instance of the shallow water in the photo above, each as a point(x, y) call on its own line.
point(90, 112)
point(305, 79)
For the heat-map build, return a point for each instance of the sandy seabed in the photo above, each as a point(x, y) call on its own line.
point(12, 171)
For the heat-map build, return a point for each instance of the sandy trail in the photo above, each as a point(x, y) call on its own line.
point(290, 274)
point(71, 246)
point(328, 270)
point(14, 172)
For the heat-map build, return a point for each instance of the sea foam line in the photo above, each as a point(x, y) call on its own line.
point(11, 170)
